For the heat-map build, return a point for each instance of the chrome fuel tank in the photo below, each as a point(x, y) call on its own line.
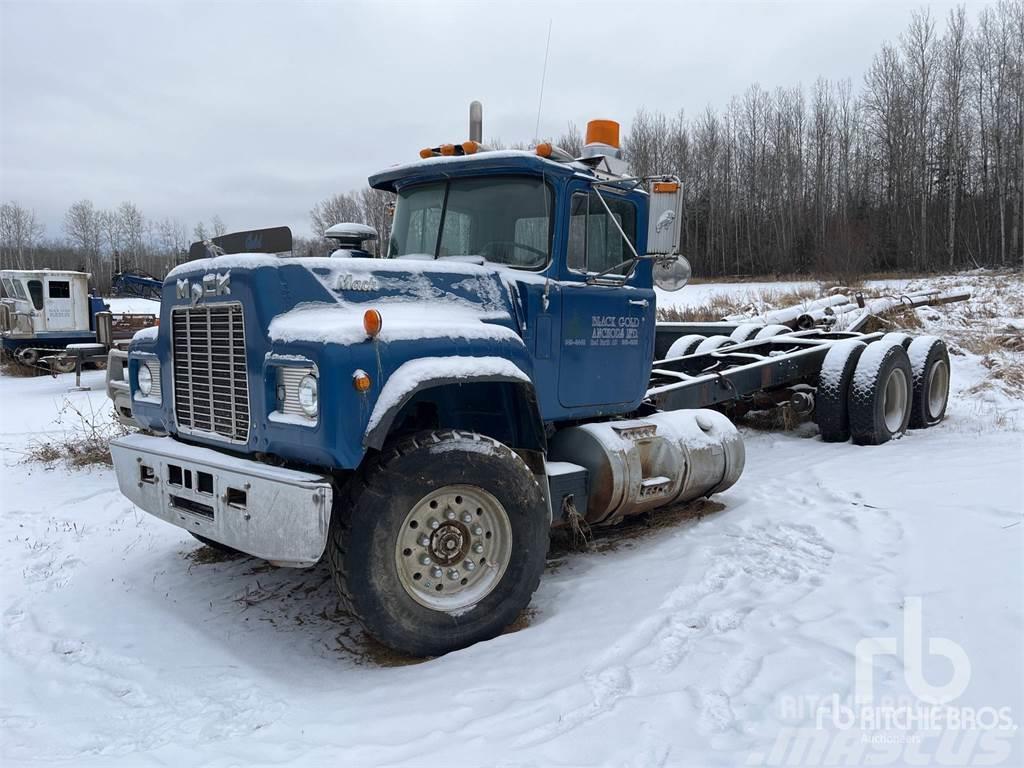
point(641, 464)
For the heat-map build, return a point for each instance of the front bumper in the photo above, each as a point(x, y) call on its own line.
point(277, 514)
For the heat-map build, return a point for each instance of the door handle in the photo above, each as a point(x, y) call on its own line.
point(639, 302)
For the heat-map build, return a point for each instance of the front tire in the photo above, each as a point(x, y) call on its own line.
point(440, 542)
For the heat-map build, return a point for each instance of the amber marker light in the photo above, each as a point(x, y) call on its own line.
point(361, 381)
point(544, 150)
point(426, 152)
point(447, 150)
point(372, 322)
point(666, 186)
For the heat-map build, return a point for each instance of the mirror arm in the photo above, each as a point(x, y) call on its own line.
point(636, 256)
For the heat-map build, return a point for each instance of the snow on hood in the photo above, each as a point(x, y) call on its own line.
point(417, 299)
point(342, 323)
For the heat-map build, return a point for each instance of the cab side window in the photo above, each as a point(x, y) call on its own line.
point(59, 289)
point(595, 244)
point(35, 290)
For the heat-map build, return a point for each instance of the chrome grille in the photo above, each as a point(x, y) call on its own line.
point(211, 386)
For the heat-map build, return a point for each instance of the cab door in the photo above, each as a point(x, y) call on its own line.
point(607, 330)
point(59, 305)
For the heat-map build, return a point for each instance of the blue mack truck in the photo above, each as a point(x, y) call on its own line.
point(421, 421)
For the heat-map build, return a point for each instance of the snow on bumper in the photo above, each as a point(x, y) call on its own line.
point(277, 514)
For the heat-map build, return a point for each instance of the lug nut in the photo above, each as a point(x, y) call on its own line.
point(477, 530)
point(434, 524)
point(424, 541)
point(450, 514)
point(435, 572)
point(467, 518)
point(425, 560)
point(478, 547)
point(469, 565)
point(453, 574)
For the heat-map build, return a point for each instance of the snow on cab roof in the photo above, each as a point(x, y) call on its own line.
point(438, 167)
point(50, 272)
point(412, 263)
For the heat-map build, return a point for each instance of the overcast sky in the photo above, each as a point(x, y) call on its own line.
point(255, 111)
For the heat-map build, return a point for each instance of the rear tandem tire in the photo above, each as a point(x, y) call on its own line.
point(684, 345)
point(418, 501)
point(831, 406)
point(929, 364)
point(880, 393)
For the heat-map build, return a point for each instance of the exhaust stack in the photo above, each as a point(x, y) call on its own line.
point(476, 122)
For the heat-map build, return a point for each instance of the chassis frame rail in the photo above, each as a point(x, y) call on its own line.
point(741, 371)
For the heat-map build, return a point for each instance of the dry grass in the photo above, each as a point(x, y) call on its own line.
point(10, 367)
point(86, 441)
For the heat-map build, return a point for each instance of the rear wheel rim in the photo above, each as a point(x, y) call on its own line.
point(895, 401)
point(938, 388)
point(453, 548)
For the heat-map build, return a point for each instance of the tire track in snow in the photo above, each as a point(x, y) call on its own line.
point(745, 567)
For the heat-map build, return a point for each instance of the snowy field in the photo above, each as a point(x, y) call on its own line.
point(133, 305)
point(714, 640)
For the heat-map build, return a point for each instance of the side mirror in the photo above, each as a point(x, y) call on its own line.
point(665, 217)
point(672, 273)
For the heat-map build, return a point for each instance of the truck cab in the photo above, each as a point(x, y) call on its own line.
point(420, 421)
point(45, 309)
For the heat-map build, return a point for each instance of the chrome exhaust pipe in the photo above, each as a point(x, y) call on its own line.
point(476, 122)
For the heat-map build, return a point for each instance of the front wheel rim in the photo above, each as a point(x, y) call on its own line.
point(895, 401)
point(453, 548)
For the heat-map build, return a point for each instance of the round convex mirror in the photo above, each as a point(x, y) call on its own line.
point(672, 274)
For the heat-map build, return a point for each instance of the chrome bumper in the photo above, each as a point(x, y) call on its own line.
point(277, 514)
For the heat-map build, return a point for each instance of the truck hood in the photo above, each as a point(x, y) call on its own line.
point(323, 299)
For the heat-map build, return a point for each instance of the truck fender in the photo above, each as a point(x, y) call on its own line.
point(416, 376)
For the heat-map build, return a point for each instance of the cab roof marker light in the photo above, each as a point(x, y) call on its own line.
point(553, 152)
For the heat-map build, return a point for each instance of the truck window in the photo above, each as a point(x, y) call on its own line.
point(60, 289)
point(505, 220)
point(8, 288)
point(35, 290)
point(16, 290)
point(594, 241)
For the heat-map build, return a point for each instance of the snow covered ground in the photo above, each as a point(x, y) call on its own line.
point(133, 305)
point(718, 639)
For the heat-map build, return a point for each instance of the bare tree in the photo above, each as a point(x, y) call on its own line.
point(376, 212)
point(82, 224)
point(217, 226)
point(335, 210)
point(19, 233)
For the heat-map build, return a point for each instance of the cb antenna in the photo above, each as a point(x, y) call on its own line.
point(543, 76)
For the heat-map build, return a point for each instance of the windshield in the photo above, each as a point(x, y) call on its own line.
point(503, 220)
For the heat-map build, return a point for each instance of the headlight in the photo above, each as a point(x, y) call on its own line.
point(308, 396)
point(145, 380)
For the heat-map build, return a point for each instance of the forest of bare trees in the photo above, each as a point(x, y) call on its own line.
point(918, 166)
